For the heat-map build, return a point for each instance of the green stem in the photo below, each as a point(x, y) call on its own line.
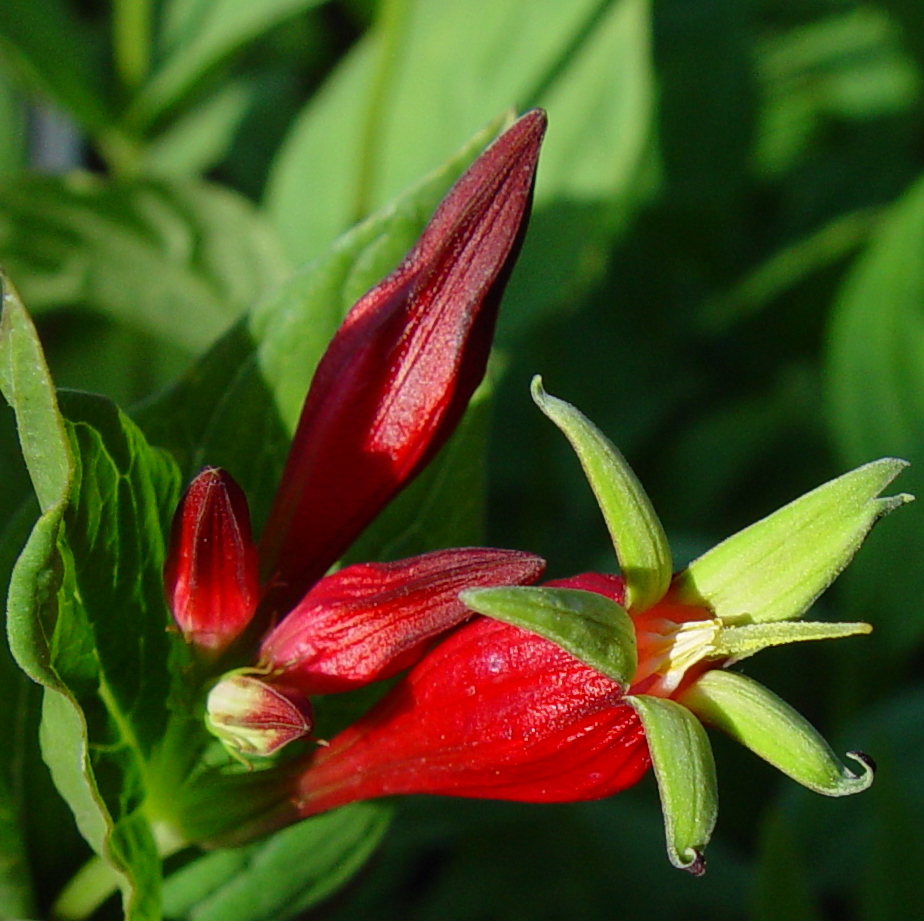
point(93, 883)
point(131, 39)
point(390, 33)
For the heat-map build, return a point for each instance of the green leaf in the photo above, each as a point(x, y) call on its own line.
point(279, 878)
point(592, 627)
point(198, 139)
point(394, 109)
point(774, 569)
point(875, 368)
point(56, 53)
point(12, 129)
point(685, 770)
point(16, 896)
point(196, 36)
point(86, 615)
point(769, 727)
point(180, 260)
point(638, 537)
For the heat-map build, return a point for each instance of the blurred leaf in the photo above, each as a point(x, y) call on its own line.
point(849, 65)
point(875, 367)
point(782, 891)
point(197, 35)
point(181, 260)
point(788, 267)
point(859, 850)
point(53, 50)
point(394, 108)
point(196, 140)
point(12, 128)
point(276, 879)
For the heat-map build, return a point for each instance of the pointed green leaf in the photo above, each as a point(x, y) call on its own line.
point(775, 569)
point(685, 770)
point(638, 537)
point(592, 627)
point(757, 718)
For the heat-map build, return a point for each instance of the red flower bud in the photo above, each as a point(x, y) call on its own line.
point(493, 712)
point(399, 372)
point(255, 717)
point(372, 620)
point(211, 569)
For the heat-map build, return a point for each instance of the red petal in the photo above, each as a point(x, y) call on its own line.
point(493, 712)
point(398, 374)
point(612, 587)
point(373, 620)
point(211, 570)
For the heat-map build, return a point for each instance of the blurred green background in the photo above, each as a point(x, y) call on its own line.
point(725, 271)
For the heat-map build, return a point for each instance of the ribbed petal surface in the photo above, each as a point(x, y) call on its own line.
point(398, 375)
point(211, 570)
point(372, 620)
point(493, 712)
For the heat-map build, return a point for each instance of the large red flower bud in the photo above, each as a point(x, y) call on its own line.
point(494, 712)
point(211, 570)
point(398, 374)
point(373, 620)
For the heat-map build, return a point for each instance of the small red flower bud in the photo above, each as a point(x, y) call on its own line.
point(372, 620)
point(493, 712)
point(399, 373)
point(211, 570)
point(254, 717)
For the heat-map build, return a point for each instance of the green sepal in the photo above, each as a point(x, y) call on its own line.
point(758, 719)
point(774, 569)
point(685, 770)
point(592, 627)
point(737, 643)
point(638, 537)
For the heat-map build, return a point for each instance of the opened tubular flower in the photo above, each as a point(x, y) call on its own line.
point(388, 392)
point(571, 690)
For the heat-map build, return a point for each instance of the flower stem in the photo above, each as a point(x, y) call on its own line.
point(93, 883)
point(391, 31)
point(131, 40)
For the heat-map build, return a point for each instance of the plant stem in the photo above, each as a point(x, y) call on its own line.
point(390, 33)
point(131, 40)
point(93, 883)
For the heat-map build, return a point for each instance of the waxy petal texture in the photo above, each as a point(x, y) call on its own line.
point(398, 375)
point(372, 620)
point(493, 712)
point(211, 569)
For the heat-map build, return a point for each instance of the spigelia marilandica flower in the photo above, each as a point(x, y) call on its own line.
point(388, 392)
point(569, 691)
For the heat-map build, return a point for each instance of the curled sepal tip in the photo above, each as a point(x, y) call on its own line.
point(591, 627)
point(757, 718)
point(774, 569)
point(685, 771)
point(638, 537)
